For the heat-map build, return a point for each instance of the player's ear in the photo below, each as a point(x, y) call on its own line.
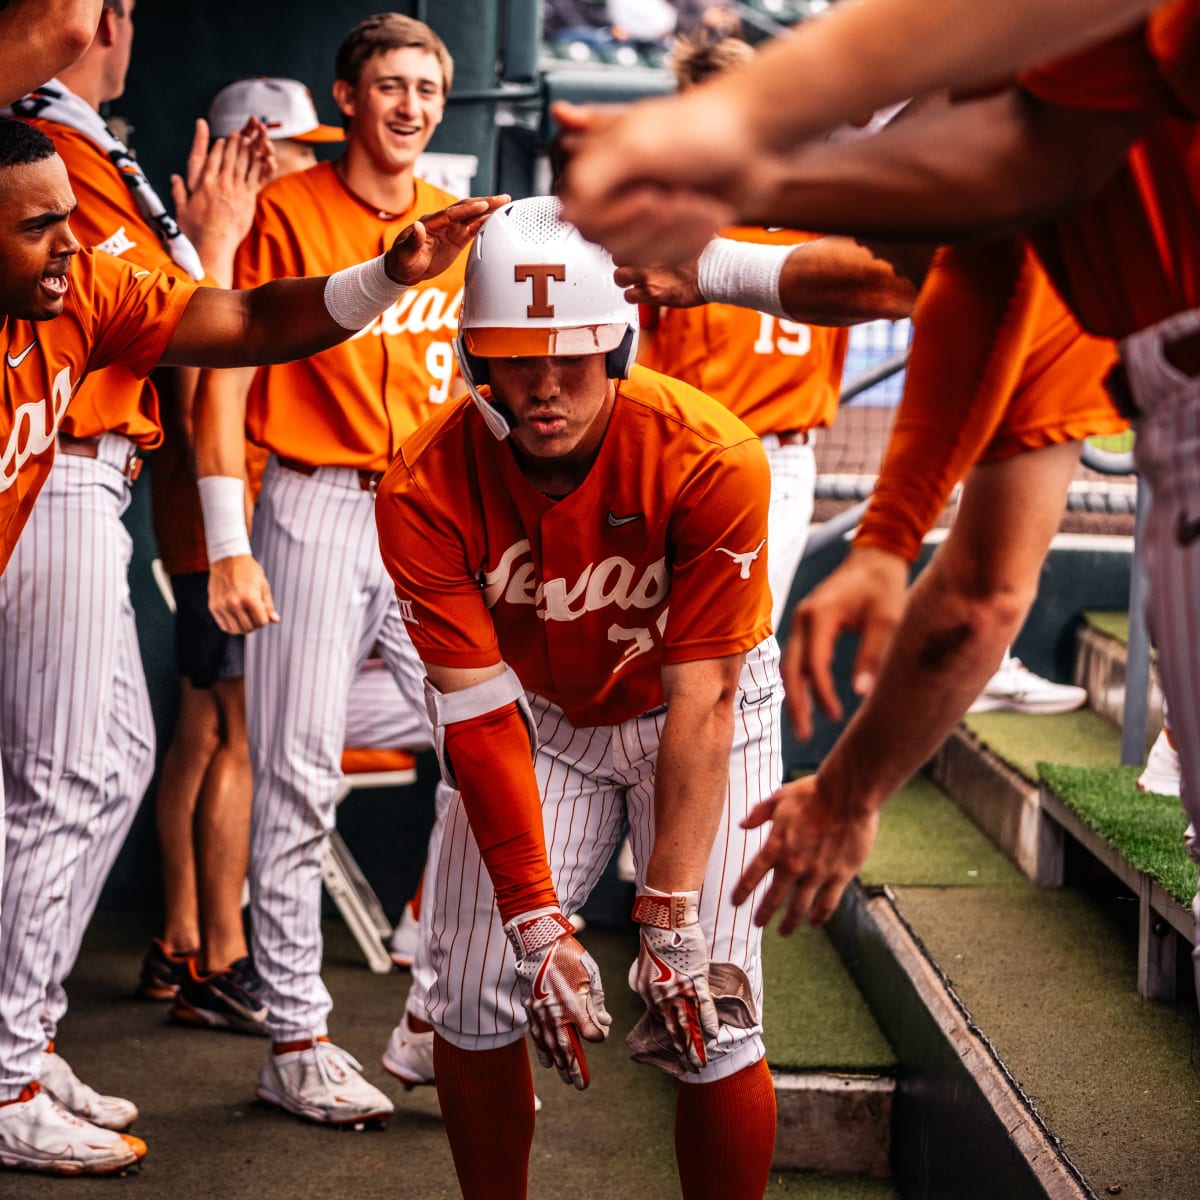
point(343, 96)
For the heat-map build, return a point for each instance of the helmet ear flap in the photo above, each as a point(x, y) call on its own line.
point(619, 362)
point(475, 375)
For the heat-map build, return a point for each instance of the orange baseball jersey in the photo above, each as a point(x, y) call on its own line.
point(112, 314)
point(998, 367)
point(776, 375)
point(657, 557)
point(352, 405)
point(108, 220)
point(1129, 256)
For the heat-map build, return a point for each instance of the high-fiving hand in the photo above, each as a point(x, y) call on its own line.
point(430, 244)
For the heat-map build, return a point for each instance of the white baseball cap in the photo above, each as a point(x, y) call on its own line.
point(284, 106)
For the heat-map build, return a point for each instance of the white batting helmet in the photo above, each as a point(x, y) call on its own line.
point(535, 287)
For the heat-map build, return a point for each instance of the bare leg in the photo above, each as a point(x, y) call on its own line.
point(222, 832)
point(193, 746)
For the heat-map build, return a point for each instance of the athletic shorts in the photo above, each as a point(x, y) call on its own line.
point(204, 652)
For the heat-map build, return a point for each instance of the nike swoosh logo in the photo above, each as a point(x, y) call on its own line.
point(1186, 532)
point(20, 358)
point(616, 522)
point(540, 992)
point(665, 974)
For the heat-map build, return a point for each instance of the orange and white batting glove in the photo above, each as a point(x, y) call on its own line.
point(561, 991)
point(671, 971)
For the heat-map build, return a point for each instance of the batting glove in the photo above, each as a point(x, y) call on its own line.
point(671, 971)
point(561, 991)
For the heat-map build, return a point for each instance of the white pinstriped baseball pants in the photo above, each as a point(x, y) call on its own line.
point(77, 736)
point(316, 539)
point(793, 481)
point(1168, 456)
point(596, 783)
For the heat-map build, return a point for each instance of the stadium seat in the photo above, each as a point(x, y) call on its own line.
point(347, 885)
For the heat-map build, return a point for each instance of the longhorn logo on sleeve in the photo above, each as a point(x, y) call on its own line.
point(745, 561)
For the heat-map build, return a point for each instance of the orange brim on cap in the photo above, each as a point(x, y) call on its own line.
point(322, 133)
point(531, 342)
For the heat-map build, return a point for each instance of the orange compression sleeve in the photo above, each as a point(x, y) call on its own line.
point(973, 325)
point(490, 757)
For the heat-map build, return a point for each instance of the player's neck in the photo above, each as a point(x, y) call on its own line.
point(389, 192)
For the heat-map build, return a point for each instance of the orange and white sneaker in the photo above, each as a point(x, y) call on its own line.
point(64, 1086)
point(36, 1134)
point(322, 1083)
point(409, 1055)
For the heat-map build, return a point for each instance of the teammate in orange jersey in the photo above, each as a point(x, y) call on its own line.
point(67, 313)
point(86, 665)
point(331, 423)
point(38, 38)
point(203, 797)
point(578, 553)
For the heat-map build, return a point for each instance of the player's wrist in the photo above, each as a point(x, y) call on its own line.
point(355, 296)
point(534, 931)
point(223, 505)
point(666, 910)
point(743, 273)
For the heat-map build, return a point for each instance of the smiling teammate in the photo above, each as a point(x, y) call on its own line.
point(332, 424)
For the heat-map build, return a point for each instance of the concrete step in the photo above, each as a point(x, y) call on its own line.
point(1029, 1066)
point(1100, 667)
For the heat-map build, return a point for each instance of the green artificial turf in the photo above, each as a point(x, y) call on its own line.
point(1114, 443)
point(814, 1017)
point(1082, 738)
point(1114, 624)
point(1146, 829)
point(919, 817)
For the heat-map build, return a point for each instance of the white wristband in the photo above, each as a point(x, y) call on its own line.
point(223, 502)
point(356, 296)
point(743, 273)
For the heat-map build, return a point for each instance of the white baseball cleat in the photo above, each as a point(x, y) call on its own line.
point(1163, 770)
point(405, 939)
point(323, 1084)
point(1015, 688)
point(36, 1134)
point(409, 1055)
point(64, 1086)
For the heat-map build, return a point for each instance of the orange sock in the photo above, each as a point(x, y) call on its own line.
point(725, 1135)
point(487, 1106)
point(415, 902)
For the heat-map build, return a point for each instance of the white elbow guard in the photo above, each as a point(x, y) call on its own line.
point(447, 708)
point(356, 296)
point(223, 503)
point(743, 273)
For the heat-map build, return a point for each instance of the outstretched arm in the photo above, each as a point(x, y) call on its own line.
point(40, 37)
point(676, 163)
point(962, 612)
point(822, 281)
point(294, 318)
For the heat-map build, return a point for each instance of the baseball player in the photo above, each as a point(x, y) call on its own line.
point(109, 312)
point(578, 552)
point(86, 664)
point(202, 803)
point(331, 425)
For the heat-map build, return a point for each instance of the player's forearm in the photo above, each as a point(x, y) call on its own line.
point(838, 281)
point(219, 420)
point(951, 172)
point(862, 57)
point(691, 780)
point(945, 649)
point(38, 38)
